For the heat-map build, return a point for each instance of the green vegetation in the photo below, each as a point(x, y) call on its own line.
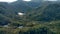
point(42, 20)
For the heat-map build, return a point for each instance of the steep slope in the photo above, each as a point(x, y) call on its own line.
point(7, 15)
point(20, 6)
point(47, 12)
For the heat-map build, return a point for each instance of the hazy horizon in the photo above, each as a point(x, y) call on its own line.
point(9, 1)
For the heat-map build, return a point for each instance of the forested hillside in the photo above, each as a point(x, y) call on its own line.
point(42, 19)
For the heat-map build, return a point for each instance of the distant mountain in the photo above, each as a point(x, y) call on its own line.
point(24, 6)
point(47, 12)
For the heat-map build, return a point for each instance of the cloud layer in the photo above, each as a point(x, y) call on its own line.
point(7, 0)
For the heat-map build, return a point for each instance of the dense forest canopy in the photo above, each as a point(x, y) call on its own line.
point(30, 17)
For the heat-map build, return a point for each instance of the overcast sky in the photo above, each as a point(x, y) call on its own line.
point(24, 0)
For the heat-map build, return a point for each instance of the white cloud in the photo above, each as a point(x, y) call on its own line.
point(20, 13)
point(27, 0)
point(7, 1)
